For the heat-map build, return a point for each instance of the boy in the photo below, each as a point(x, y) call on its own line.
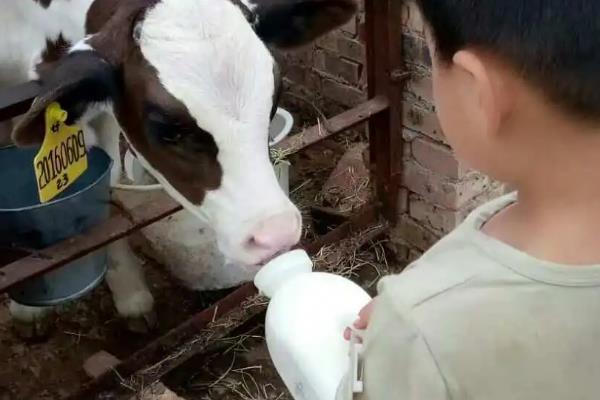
point(508, 305)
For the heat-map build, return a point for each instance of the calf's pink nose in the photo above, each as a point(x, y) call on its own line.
point(275, 234)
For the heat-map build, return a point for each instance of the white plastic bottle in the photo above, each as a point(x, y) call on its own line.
point(306, 318)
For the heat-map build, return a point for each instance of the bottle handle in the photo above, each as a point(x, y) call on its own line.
point(356, 362)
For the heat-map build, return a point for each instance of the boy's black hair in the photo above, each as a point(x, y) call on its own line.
point(553, 44)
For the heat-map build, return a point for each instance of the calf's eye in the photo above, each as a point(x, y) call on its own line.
point(163, 129)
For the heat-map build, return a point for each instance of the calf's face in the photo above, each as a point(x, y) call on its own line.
point(193, 86)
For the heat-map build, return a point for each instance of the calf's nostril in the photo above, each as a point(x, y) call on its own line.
point(259, 241)
point(275, 234)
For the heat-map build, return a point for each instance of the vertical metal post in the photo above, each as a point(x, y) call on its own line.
point(383, 20)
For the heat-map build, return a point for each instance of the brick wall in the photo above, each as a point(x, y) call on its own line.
point(438, 191)
point(330, 72)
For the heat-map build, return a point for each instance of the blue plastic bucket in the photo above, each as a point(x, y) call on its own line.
point(27, 225)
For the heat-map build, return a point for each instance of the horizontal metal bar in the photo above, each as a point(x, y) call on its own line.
point(116, 227)
point(16, 100)
point(335, 125)
point(365, 217)
point(155, 360)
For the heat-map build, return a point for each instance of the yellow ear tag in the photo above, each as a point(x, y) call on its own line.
point(62, 159)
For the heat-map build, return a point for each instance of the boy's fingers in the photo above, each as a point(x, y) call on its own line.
point(347, 333)
point(361, 323)
point(365, 312)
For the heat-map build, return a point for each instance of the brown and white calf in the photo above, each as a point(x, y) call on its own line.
point(192, 86)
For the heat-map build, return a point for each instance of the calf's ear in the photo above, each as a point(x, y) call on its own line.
point(79, 81)
point(292, 23)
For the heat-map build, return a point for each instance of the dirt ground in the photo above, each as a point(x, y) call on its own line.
point(237, 368)
point(52, 369)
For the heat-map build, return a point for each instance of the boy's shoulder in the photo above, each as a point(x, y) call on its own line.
point(456, 262)
point(425, 282)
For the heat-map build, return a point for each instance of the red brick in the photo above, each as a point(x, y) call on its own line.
point(421, 87)
point(437, 158)
point(408, 135)
point(303, 56)
point(414, 50)
point(431, 186)
point(362, 83)
point(441, 191)
point(413, 233)
point(495, 190)
point(319, 60)
point(331, 64)
point(296, 74)
point(402, 201)
point(308, 89)
point(407, 152)
point(433, 217)
point(472, 185)
point(343, 94)
point(362, 32)
point(361, 9)
point(439, 219)
point(411, 18)
point(422, 120)
point(313, 83)
point(350, 28)
point(329, 41)
point(346, 69)
point(99, 363)
point(351, 49)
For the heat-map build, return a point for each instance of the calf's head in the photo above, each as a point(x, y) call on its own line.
point(193, 87)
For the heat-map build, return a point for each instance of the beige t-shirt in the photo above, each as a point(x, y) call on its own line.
point(477, 319)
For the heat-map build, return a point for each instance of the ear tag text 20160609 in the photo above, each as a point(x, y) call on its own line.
point(62, 158)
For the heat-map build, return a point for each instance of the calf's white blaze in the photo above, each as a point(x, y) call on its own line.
point(209, 58)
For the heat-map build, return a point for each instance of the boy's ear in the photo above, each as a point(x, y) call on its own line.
point(291, 23)
point(486, 87)
point(80, 80)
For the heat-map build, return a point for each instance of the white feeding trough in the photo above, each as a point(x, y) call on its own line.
point(280, 128)
point(184, 243)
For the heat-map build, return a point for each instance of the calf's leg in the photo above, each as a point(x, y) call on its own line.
point(126, 281)
point(31, 322)
point(125, 276)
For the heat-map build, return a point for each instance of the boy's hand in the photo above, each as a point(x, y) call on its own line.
point(363, 320)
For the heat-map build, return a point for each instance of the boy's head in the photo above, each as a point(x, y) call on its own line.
point(501, 67)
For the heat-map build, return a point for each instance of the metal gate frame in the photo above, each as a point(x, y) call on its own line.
point(383, 114)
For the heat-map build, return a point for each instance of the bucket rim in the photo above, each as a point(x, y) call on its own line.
point(56, 201)
point(287, 127)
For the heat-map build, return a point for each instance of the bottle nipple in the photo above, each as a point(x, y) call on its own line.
point(279, 270)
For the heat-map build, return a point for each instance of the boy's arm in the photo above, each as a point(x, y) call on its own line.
point(398, 363)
